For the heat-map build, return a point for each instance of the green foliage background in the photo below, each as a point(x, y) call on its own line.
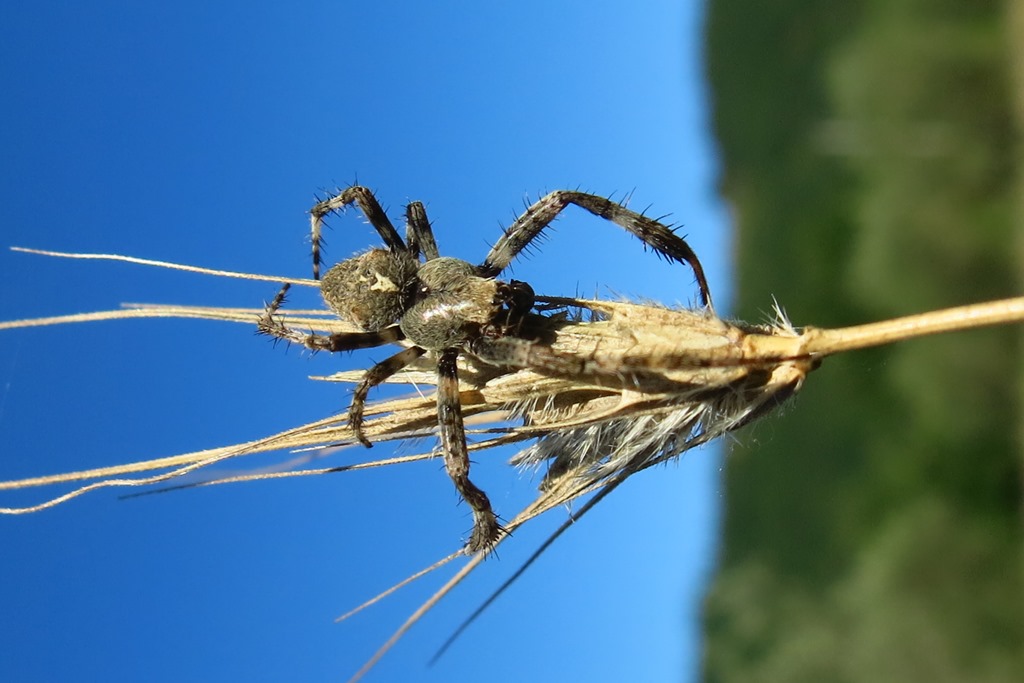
point(873, 158)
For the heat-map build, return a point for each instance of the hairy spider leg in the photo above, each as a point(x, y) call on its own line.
point(456, 455)
point(418, 233)
point(524, 353)
point(374, 376)
point(368, 204)
point(527, 227)
point(340, 341)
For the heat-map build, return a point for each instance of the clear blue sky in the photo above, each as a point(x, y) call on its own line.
point(199, 133)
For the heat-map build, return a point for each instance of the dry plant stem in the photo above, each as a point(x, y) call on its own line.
point(654, 341)
point(330, 431)
point(603, 399)
point(312, 319)
point(167, 264)
point(148, 312)
point(751, 347)
point(828, 342)
point(184, 464)
point(401, 584)
point(781, 346)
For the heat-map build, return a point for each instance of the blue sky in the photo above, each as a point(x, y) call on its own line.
point(199, 133)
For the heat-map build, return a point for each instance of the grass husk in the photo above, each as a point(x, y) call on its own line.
point(623, 387)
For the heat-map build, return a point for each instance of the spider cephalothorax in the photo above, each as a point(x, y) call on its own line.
point(443, 306)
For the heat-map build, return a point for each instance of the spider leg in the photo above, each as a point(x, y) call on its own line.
point(456, 456)
point(527, 227)
point(522, 353)
point(341, 341)
point(368, 204)
point(418, 234)
point(374, 376)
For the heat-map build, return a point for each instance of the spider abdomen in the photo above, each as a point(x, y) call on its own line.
point(371, 290)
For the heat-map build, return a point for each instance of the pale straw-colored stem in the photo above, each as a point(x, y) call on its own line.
point(828, 342)
point(172, 266)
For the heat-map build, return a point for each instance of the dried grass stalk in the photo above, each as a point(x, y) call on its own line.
point(615, 388)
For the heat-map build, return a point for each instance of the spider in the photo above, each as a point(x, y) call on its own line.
point(443, 305)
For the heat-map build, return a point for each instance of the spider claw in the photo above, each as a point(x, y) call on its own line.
point(355, 423)
point(486, 532)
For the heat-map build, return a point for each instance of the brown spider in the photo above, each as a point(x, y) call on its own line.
point(443, 306)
